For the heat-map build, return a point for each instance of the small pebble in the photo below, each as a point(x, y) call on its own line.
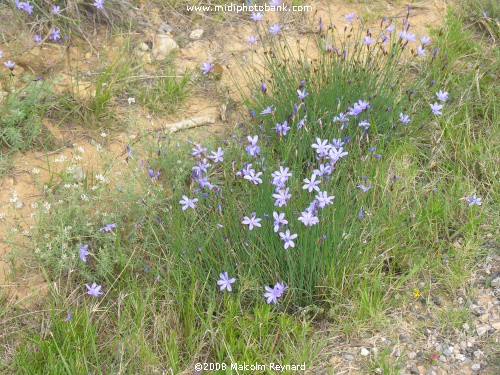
point(475, 367)
point(365, 352)
point(349, 357)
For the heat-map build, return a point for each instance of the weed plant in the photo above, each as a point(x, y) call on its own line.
point(187, 259)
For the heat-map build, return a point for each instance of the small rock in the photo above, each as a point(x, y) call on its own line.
point(412, 355)
point(196, 34)
point(495, 283)
point(403, 337)
point(436, 301)
point(349, 357)
point(163, 46)
point(481, 330)
point(465, 326)
point(365, 352)
point(414, 370)
point(484, 318)
point(496, 325)
point(478, 310)
point(475, 367)
point(447, 352)
point(143, 47)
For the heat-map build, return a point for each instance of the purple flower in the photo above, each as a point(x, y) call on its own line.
point(308, 218)
point(252, 39)
point(263, 87)
point(206, 67)
point(256, 16)
point(217, 156)
point(186, 202)
point(436, 108)
point(274, 3)
point(280, 288)
point(10, 64)
point(390, 29)
point(252, 149)
point(56, 9)
point(1, 54)
point(271, 295)
point(25, 5)
point(302, 94)
point(474, 200)
point(421, 51)
point(68, 318)
point(311, 184)
point(442, 96)
point(364, 124)
point(55, 34)
point(342, 118)
point(368, 40)
point(350, 16)
point(99, 4)
point(323, 199)
point(269, 109)
point(405, 119)
point(275, 28)
point(279, 220)
point(360, 214)
point(406, 35)
point(255, 178)
point(281, 197)
point(364, 188)
point(336, 153)
point(37, 38)
point(108, 227)
point(94, 290)
point(225, 282)
point(323, 170)
point(83, 252)
point(425, 39)
point(322, 147)
point(282, 129)
point(251, 221)
point(288, 238)
point(281, 176)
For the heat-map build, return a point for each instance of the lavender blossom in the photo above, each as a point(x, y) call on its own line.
point(256, 16)
point(405, 119)
point(350, 16)
point(275, 28)
point(281, 196)
point(251, 221)
point(442, 96)
point(323, 199)
point(279, 220)
point(83, 252)
point(206, 67)
point(186, 202)
point(99, 4)
point(474, 200)
point(288, 238)
point(311, 184)
point(436, 108)
point(108, 228)
point(302, 94)
point(308, 218)
point(94, 290)
point(225, 282)
point(269, 109)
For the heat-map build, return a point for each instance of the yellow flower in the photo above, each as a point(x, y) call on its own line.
point(416, 293)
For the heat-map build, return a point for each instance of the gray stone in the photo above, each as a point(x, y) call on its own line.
point(163, 46)
point(349, 357)
point(475, 367)
point(196, 34)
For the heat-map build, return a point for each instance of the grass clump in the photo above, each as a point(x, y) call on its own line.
point(406, 177)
